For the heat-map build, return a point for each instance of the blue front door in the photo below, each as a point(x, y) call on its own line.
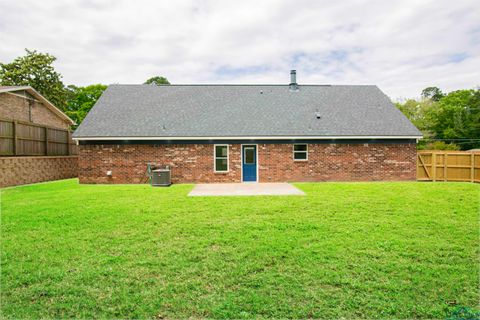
point(249, 164)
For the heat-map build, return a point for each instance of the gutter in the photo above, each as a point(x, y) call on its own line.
point(90, 138)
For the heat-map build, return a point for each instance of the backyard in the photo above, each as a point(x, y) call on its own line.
point(352, 250)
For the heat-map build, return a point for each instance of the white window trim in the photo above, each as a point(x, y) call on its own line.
point(215, 158)
point(293, 151)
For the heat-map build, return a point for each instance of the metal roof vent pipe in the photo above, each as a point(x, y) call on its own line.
point(293, 80)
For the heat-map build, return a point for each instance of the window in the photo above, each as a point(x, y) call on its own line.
point(221, 158)
point(249, 155)
point(300, 152)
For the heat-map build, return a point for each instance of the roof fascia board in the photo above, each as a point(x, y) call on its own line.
point(50, 105)
point(247, 138)
point(14, 89)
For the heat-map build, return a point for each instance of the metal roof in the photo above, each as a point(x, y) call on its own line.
point(174, 111)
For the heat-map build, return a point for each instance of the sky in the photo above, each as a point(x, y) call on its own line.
point(400, 46)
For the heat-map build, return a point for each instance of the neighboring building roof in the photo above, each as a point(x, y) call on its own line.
point(41, 98)
point(10, 87)
point(244, 111)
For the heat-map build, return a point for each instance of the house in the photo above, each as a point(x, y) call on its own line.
point(240, 133)
point(35, 142)
point(23, 103)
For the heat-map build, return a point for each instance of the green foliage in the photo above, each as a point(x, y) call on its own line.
point(463, 313)
point(440, 145)
point(35, 69)
point(458, 117)
point(158, 80)
point(82, 99)
point(388, 250)
point(432, 93)
point(418, 112)
point(454, 118)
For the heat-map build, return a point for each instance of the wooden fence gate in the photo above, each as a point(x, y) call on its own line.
point(440, 165)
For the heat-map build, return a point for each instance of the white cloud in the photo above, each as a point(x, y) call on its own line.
point(401, 46)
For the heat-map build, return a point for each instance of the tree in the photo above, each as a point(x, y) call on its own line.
point(158, 80)
point(457, 118)
point(36, 70)
point(418, 112)
point(450, 123)
point(432, 93)
point(82, 99)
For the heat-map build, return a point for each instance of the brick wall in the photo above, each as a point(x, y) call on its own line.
point(24, 170)
point(194, 162)
point(128, 163)
point(339, 162)
point(13, 106)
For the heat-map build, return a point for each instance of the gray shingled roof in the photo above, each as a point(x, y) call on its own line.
point(243, 111)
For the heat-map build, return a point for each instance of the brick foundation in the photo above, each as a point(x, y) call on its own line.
point(24, 170)
point(194, 162)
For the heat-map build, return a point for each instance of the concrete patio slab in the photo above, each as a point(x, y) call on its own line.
point(245, 189)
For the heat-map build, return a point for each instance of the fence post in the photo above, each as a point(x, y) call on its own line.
point(14, 137)
point(46, 141)
point(434, 166)
point(445, 166)
point(472, 169)
point(68, 142)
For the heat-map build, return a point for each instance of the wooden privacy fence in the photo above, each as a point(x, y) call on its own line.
point(439, 165)
point(18, 138)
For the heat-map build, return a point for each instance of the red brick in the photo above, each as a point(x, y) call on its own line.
point(194, 162)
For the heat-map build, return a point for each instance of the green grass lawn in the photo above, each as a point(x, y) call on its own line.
point(344, 250)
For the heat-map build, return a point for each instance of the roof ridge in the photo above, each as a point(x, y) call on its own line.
point(241, 85)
